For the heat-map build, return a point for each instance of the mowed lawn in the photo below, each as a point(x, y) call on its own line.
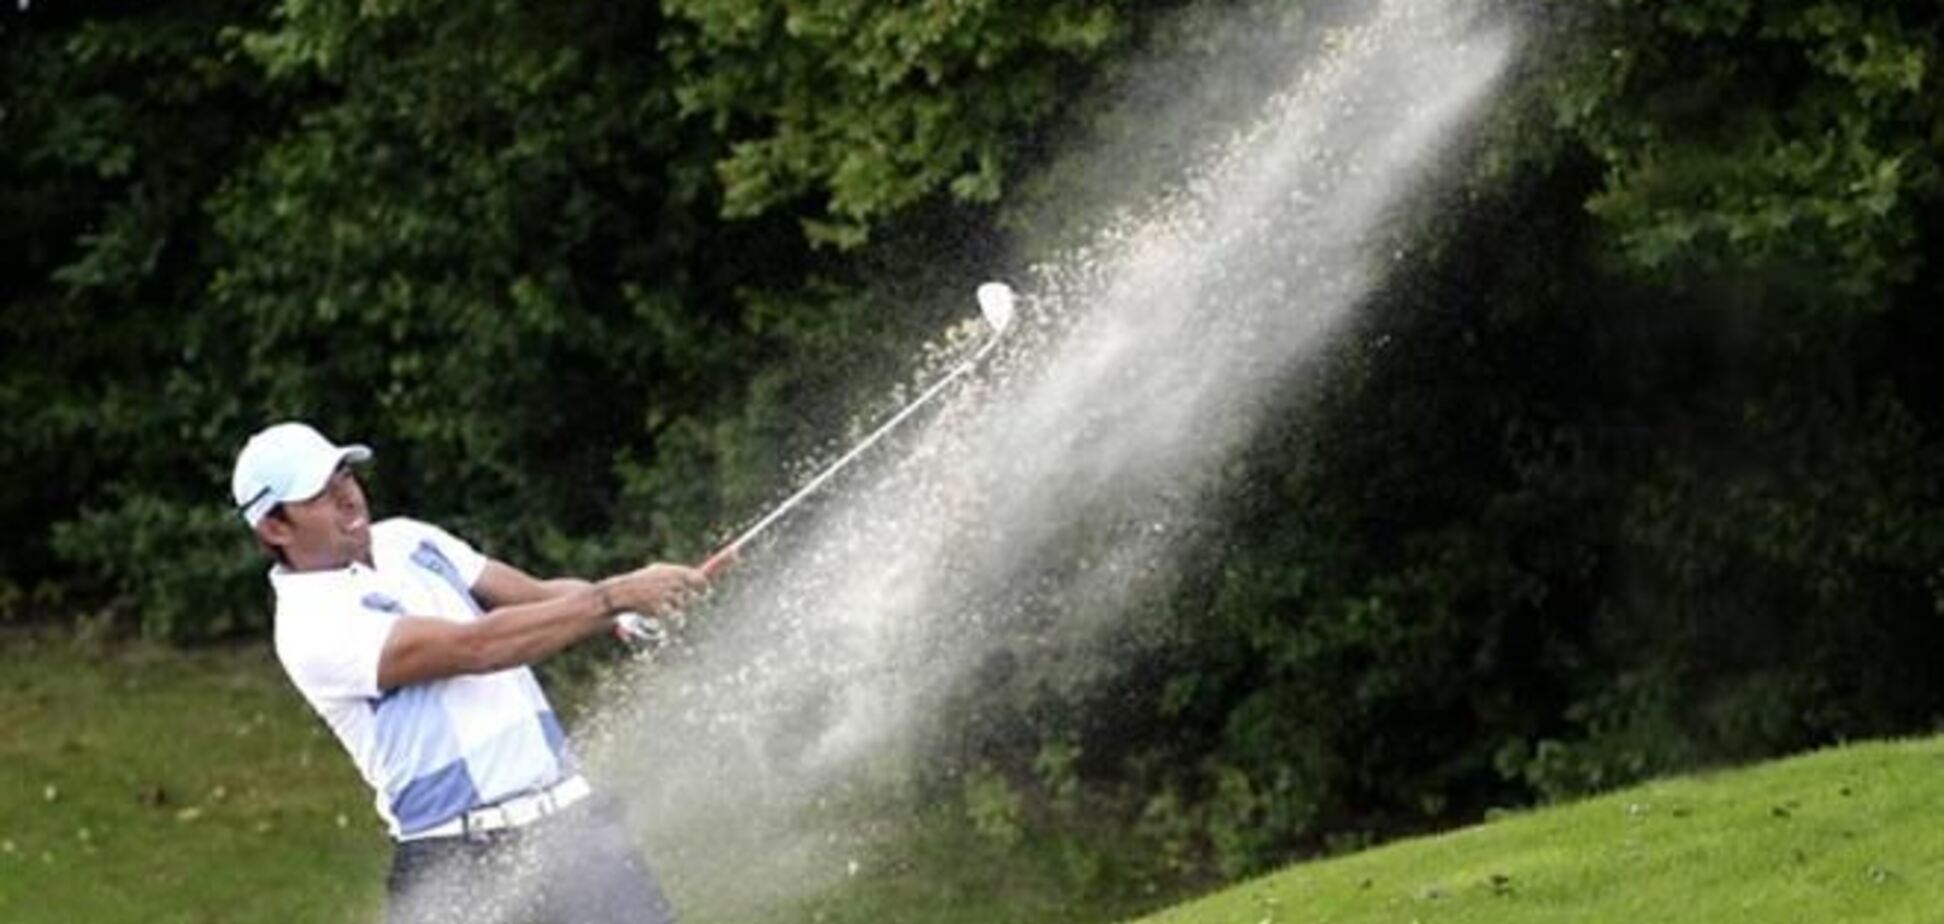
point(138, 784)
point(1852, 835)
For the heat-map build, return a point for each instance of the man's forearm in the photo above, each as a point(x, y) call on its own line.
point(422, 649)
point(560, 587)
point(501, 584)
point(526, 632)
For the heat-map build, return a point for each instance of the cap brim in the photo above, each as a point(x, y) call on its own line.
point(314, 478)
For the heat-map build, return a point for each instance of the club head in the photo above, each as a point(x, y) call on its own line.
point(996, 303)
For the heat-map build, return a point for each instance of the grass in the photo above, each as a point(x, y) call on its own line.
point(1848, 834)
point(144, 785)
point(139, 784)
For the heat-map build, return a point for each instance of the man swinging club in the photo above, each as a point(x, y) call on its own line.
point(413, 647)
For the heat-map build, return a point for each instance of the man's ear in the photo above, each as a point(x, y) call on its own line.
point(274, 531)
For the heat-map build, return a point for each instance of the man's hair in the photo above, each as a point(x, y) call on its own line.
point(275, 552)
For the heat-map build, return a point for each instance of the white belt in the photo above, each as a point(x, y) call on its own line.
point(516, 812)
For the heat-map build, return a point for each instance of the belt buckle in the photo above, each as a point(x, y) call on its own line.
point(479, 826)
point(468, 830)
point(474, 825)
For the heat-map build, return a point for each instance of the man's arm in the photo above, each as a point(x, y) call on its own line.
point(529, 620)
point(501, 584)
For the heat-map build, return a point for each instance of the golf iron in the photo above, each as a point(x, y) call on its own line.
point(995, 304)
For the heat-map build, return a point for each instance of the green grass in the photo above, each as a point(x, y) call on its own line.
point(1850, 834)
point(143, 785)
point(140, 784)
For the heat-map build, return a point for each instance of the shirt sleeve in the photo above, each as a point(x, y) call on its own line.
point(337, 658)
point(466, 560)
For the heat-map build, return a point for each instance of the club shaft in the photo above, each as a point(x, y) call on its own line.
point(727, 553)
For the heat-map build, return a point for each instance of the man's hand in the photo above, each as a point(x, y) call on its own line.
point(656, 590)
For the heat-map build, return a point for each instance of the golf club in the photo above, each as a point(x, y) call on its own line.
point(995, 304)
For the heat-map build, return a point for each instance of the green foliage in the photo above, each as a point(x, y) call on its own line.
point(484, 238)
point(461, 226)
point(862, 110)
point(117, 128)
point(1795, 136)
point(992, 806)
point(1057, 770)
point(181, 557)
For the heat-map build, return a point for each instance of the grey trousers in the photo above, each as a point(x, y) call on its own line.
point(577, 867)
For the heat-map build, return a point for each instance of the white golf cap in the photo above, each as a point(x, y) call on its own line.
point(286, 462)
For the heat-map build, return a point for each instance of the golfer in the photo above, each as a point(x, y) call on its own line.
point(413, 647)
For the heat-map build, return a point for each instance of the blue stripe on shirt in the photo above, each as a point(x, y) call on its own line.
point(435, 798)
point(428, 556)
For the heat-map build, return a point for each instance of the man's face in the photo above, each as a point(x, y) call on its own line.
point(331, 530)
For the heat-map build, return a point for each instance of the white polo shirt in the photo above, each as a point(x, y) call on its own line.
point(434, 750)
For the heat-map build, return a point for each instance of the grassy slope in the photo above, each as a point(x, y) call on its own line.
point(1853, 835)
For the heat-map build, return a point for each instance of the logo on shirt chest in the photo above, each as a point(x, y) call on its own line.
point(382, 603)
